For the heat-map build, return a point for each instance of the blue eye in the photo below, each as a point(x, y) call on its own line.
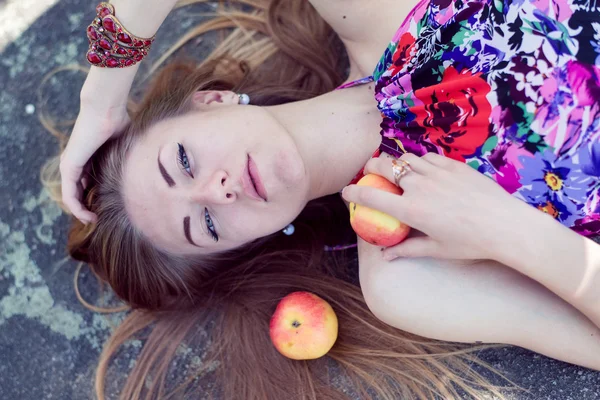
point(183, 161)
point(210, 225)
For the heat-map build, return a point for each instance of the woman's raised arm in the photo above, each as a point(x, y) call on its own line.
point(103, 101)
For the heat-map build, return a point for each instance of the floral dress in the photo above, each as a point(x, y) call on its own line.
point(512, 88)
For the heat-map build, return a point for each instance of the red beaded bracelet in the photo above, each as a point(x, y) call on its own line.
point(111, 45)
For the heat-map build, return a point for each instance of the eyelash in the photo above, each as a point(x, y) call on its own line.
point(183, 161)
point(210, 225)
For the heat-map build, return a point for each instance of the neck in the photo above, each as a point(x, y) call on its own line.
point(336, 134)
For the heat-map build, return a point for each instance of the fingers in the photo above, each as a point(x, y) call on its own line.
point(394, 205)
point(92, 129)
point(84, 215)
point(422, 246)
point(389, 203)
point(71, 197)
point(383, 166)
point(72, 186)
point(445, 163)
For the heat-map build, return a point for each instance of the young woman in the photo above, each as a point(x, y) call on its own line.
point(184, 204)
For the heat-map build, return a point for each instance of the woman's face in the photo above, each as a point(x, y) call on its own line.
point(213, 180)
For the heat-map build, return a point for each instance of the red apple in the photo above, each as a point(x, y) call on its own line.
point(303, 327)
point(374, 226)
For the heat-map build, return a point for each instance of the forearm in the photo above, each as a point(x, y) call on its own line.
point(142, 18)
point(565, 262)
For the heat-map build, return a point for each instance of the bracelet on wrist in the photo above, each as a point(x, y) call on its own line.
point(110, 44)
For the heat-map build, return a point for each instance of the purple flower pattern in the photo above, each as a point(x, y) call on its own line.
point(514, 89)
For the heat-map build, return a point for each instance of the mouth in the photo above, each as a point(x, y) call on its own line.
point(252, 183)
point(256, 180)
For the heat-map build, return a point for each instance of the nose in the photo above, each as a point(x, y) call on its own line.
point(217, 188)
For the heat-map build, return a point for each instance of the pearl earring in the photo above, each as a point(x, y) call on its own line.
point(289, 230)
point(244, 98)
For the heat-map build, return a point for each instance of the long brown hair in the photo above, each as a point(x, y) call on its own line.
point(280, 51)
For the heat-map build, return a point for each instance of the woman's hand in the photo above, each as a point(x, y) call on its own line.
point(94, 126)
point(463, 214)
point(103, 103)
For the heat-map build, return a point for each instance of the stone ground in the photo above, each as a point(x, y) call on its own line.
point(49, 343)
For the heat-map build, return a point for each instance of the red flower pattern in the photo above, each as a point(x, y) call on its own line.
point(403, 52)
point(455, 113)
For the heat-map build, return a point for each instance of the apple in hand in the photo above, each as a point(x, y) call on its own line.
point(374, 226)
point(303, 327)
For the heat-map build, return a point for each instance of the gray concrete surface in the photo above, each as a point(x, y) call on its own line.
point(49, 343)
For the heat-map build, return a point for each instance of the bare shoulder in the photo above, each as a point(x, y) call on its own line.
point(354, 20)
point(365, 26)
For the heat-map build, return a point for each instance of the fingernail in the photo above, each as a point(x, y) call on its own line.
point(344, 192)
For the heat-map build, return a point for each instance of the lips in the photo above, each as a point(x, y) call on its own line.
point(251, 182)
point(255, 176)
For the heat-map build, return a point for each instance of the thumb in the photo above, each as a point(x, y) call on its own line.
point(422, 246)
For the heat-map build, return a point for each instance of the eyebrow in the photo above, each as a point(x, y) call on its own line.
point(164, 172)
point(186, 231)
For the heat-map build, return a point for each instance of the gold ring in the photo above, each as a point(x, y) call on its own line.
point(399, 170)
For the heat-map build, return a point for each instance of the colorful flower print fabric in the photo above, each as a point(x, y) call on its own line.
point(512, 88)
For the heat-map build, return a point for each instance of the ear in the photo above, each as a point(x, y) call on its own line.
point(204, 99)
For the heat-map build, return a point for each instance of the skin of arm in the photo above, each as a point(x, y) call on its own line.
point(565, 262)
point(488, 224)
point(475, 301)
point(520, 277)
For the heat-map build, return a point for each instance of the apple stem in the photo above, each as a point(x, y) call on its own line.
point(295, 324)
